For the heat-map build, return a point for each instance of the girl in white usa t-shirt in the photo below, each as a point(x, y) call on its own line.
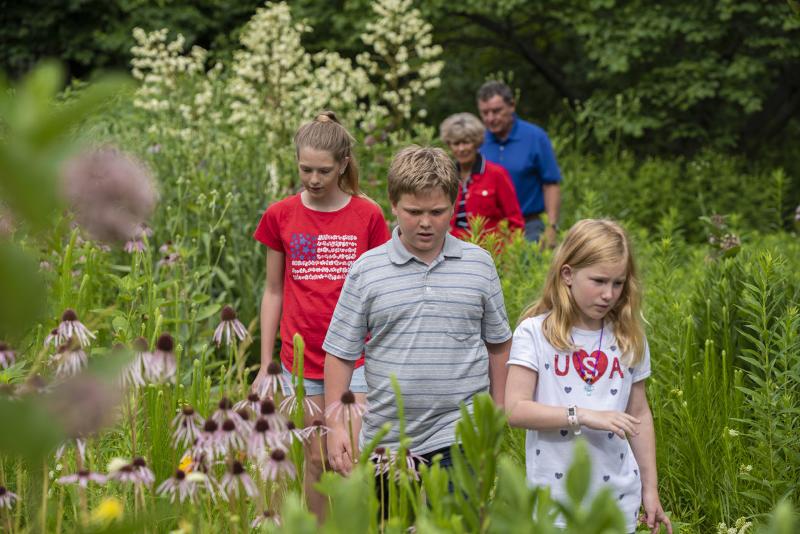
point(577, 367)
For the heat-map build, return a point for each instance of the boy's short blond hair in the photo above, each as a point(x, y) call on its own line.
point(416, 169)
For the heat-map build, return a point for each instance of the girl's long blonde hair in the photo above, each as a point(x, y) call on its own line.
point(589, 242)
point(326, 133)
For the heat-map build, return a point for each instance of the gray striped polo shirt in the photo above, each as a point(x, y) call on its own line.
point(428, 325)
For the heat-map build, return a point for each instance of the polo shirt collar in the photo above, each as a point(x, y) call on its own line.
point(399, 254)
point(478, 166)
point(511, 135)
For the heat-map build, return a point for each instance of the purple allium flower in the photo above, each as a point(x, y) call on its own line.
point(69, 359)
point(179, 486)
point(345, 409)
point(274, 382)
point(188, 425)
point(161, 366)
point(111, 192)
point(82, 478)
point(71, 327)
point(276, 465)
point(229, 324)
point(7, 498)
point(235, 478)
point(7, 356)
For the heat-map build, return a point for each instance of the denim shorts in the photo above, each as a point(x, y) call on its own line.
point(314, 386)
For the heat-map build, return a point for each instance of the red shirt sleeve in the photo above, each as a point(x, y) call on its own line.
point(378, 231)
point(268, 229)
point(507, 200)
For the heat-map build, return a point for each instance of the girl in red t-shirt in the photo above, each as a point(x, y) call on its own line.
point(313, 237)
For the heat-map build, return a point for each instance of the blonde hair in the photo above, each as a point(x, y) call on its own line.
point(590, 242)
point(415, 169)
point(326, 133)
point(462, 127)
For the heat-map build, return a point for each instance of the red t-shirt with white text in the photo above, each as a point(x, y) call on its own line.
point(319, 248)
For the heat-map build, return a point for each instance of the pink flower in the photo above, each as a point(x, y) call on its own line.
point(188, 425)
point(236, 478)
point(265, 516)
point(82, 478)
point(208, 442)
point(229, 324)
point(274, 382)
point(275, 465)
point(69, 359)
point(383, 459)
point(133, 373)
point(7, 356)
point(289, 405)
point(292, 433)
point(52, 338)
point(252, 403)
point(178, 486)
point(133, 246)
point(7, 498)
point(71, 327)
point(161, 365)
point(317, 427)
point(230, 438)
point(263, 438)
point(275, 419)
point(345, 409)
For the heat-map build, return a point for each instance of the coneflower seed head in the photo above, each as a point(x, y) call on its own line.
point(290, 425)
point(179, 474)
point(228, 425)
point(237, 468)
point(139, 462)
point(3, 346)
point(348, 397)
point(278, 455)
point(267, 407)
point(69, 315)
point(227, 314)
point(225, 403)
point(210, 426)
point(140, 344)
point(187, 410)
point(165, 343)
point(262, 425)
point(83, 473)
point(274, 368)
point(317, 422)
point(253, 397)
point(244, 413)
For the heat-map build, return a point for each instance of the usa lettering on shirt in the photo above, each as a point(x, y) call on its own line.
point(322, 256)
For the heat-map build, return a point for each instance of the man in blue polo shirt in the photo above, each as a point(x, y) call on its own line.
point(526, 153)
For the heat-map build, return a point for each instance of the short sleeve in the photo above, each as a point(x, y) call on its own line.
point(348, 327)
point(525, 346)
point(494, 325)
point(642, 370)
point(268, 229)
point(548, 166)
point(378, 230)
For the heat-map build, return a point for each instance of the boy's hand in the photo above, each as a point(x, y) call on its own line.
point(654, 514)
point(340, 455)
point(620, 423)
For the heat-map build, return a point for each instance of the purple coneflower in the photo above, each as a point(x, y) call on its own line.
point(382, 458)
point(69, 359)
point(7, 356)
point(225, 410)
point(169, 260)
point(292, 433)
point(317, 427)
point(265, 516)
point(160, 366)
point(133, 374)
point(71, 327)
point(187, 425)
point(7, 498)
point(274, 382)
point(141, 470)
point(208, 441)
point(80, 446)
point(229, 324)
point(229, 436)
point(237, 477)
point(82, 478)
point(275, 419)
point(252, 403)
point(412, 460)
point(262, 438)
point(345, 409)
point(52, 338)
point(180, 486)
point(275, 465)
point(134, 245)
point(289, 405)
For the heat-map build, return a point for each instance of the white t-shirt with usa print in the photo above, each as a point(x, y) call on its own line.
point(590, 376)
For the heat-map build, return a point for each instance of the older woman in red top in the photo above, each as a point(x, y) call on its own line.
point(486, 188)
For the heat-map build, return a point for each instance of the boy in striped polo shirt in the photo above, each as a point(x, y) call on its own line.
point(433, 308)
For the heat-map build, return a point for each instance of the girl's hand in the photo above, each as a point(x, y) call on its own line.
point(653, 513)
point(258, 382)
point(620, 423)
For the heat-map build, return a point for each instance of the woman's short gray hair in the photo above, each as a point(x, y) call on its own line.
point(462, 127)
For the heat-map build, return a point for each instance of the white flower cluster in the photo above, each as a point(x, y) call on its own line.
point(174, 84)
point(404, 56)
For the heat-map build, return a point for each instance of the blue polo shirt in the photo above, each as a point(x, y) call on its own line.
point(528, 157)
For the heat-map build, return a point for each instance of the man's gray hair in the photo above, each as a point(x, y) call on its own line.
point(493, 88)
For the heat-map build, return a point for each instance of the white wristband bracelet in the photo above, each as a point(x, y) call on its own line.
point(572, 419)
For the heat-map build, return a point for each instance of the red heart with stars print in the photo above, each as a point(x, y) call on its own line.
point(590, 367)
